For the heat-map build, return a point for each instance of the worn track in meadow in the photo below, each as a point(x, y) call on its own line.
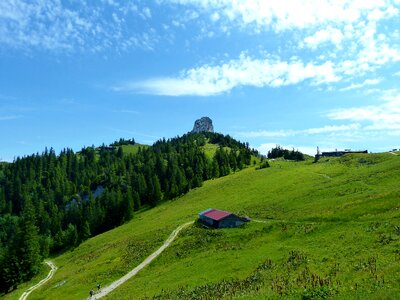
point(53, 269)
point(108, 289)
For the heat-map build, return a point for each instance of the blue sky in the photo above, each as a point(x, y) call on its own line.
point(298, 73)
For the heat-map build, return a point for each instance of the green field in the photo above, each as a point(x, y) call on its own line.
point(331, 230)
point(132, 149)
point(210, 149)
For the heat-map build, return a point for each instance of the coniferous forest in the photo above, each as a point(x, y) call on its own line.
point(50, 203)
point(278, 152)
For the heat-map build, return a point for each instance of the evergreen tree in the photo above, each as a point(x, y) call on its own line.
point(71, 236)
point(10, 275)
point(136, 200)
point(86, 231)
point(28, 245)
point(215, 168)
point(128, 205)
point(232, 160)
point(154, 191)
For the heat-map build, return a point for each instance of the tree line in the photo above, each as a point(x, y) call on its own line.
point(278, 152)
point(49, 202)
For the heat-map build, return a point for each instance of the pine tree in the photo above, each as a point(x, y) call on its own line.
point(232, 160)
point(154, 189)
point(215, 168)
point(136, 200)
point(128, 205)
point(3, 204)
point(141, 187)
point(10, 275)
point(86, 231)
point(71, 236)
point(120, 152)
point(28, 244)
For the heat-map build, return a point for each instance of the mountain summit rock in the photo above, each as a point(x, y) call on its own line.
point(203, 124)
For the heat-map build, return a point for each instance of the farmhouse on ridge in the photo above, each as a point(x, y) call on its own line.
point(220, 219)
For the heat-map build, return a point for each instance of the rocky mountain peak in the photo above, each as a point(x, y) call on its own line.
point(203, 124)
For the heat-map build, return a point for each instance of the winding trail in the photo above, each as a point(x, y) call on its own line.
point(53, 269)
point(108, 289)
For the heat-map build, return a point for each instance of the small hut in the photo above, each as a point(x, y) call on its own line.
point(220, 219)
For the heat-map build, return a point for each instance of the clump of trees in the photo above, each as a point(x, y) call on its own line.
point(123, 141)
point(49, 202)
point(263, 163)
point(278, 151)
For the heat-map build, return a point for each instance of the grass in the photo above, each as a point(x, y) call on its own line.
point(333, 230)
point(210, 149)
point(132, 149)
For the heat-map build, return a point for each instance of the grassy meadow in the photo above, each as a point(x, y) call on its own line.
point(330, 230)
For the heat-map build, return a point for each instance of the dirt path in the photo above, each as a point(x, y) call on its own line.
point(148, 260)
point(323, 175)
point(53, 267)
point(269, 221)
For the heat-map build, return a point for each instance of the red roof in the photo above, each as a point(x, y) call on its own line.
point(216, 214)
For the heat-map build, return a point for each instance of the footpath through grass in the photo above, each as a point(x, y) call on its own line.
point(333, 230)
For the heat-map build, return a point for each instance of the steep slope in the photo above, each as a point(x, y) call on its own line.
point(70, 197)
point(332, 230)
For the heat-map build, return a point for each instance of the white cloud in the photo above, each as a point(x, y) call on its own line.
point(215, 17)
point(309, 131)
point(146, 12)
point(331, 128)
point(211, 80)
point(53, 25)
point(268, 133)
point(294, 14)
point(350, 25)
point(327, 35)
point(382, 117)
point(126, 111)
point(366, 82)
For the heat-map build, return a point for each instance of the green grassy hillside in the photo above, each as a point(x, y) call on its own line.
point(132, 149)
point(332, 229)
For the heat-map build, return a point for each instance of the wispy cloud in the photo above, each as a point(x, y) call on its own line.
point(362, 84)
point(212, 80)
point(54, 25)
point(365, 124)
point(353, 41)
point(11, 117)
point(384, 117)
point(309, 131)
point(126, 111)
point(284, 15)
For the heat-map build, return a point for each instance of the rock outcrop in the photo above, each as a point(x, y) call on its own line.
point(203, 124)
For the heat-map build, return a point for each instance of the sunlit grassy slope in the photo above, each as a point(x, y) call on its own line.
point(132, 149)
point(332, 230)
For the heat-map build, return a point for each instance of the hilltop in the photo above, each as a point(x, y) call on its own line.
point(330, 229)
point(50, 203)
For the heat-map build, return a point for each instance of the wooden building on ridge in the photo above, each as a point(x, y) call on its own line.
point(220, 219)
